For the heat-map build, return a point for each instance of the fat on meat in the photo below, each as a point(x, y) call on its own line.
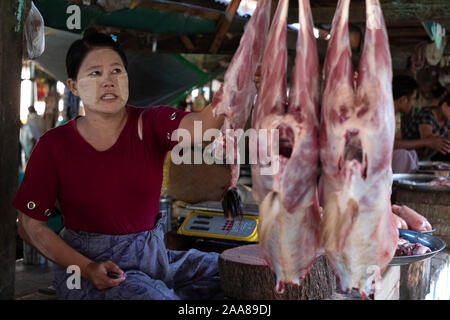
point(289, 218)
point(358, 230)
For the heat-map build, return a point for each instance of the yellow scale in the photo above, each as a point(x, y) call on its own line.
point(204, 222)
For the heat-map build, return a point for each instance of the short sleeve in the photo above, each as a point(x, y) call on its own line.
point(38, 190)
point(426, 117)
point(159, 123)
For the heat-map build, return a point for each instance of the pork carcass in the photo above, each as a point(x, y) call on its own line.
point(359, 232)
point(236, 96)
point(285, 175)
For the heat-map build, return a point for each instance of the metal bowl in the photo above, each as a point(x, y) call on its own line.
point(428, 232)
point(423, 232)
point(434, 243)
point(422, 164)
point(419, 182)
point(430, 167)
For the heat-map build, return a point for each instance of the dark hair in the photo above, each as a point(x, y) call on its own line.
point(403, 85)
point(80, 48)
point(445, 99)
point(31, 109)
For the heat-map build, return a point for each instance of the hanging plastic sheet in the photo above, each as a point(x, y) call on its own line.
point(435, 31)
point(34, 35)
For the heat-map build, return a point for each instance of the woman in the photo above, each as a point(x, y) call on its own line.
point(106, 171)
point(433, 121)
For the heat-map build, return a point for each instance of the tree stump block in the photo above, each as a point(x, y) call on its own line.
point(388, 288)
point(245, 275)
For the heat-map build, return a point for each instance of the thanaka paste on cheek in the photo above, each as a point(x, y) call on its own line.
point(87, 90)
point(122, 87)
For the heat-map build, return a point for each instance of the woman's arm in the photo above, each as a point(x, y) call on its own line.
point(427, 140)
point(434, 142)
point(48, 243)
point(400, 143)
point(437, 143)
point(425, 130)
point(411, 144)
point(208, 121)
point(207, 117)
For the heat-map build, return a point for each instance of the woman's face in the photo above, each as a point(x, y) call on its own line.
point(102, 81)
point(409, 104)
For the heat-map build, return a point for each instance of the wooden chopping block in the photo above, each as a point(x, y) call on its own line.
point(245, 275)
point(388, 288)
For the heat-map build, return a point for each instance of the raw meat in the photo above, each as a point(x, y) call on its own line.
point(437, 167)
point(406, 248)
point(401, 224)
point(236, 96)
point(284, 183)
point(415, 221)
point(359, 232)
point(442, 182)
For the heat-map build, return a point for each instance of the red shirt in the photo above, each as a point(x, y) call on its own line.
point(115, 191)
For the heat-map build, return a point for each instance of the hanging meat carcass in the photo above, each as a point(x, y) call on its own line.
point(284, 183)
point(359, 232)
point(236, 97)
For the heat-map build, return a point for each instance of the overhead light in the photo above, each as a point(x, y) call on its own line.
point(60, 87)
point(40, 107)
point(295, 26)
point(26, 72)
point(316, 33)
point(61, 105)
point(246, 7)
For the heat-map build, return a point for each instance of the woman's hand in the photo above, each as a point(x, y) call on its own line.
point(97, 274)
point(439, 144)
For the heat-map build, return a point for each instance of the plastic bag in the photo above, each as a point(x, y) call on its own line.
point(34, 35)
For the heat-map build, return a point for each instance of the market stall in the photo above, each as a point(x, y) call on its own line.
point(332, 221)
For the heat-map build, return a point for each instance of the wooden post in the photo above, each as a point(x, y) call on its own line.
point(13, 14)
point(223, 25)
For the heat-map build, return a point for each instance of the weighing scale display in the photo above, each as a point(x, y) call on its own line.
point(215, 225)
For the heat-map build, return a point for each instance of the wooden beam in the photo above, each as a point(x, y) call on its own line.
point(167, 6)
point(223, 25)
point(187, 43)
point(11, 35)
point(407, 32)
point(403, 13)
point(395, 12)
point(137, 41)
point(133, 40)
point(199, 44)
point(177, 7)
